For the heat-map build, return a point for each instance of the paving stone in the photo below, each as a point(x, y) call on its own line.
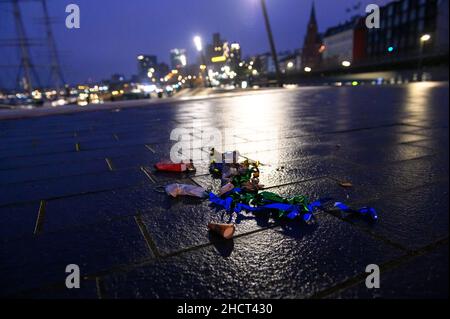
point(413, 219)
point(32, 151)
point(34, 262)
point(390, 142)
point(104, 206)
point(32, 161)
point(298, 261)
point(424, 277)
point(29, 174)
point(18, 220)
point(73, 185)
point(177, 224)
point(388, 153)
point(376, 181)
point(308, 167)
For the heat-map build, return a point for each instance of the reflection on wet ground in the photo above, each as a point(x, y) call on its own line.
point(72, 190)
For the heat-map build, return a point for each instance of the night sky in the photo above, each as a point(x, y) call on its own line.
point(114, 32)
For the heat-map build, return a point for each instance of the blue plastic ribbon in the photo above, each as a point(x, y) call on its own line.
point(365, 211)
point(292, 210)
point(239, 207)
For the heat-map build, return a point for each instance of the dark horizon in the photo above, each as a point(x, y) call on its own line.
point(103, 46)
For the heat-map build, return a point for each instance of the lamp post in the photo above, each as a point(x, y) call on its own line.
point(272, 43)
point(199, 46)
point(423, 39)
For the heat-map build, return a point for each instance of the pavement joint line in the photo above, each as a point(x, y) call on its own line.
point(297, 182)
point(162, 143)
point(127, 129)
point(400, 191)
point(384, 267)
point(195, 182)
point(147, 146)
point(85, 149)
point(156, 143)
point(415, 125)
point(363, 228)
point(74, 227)
point(147, 237)
point(150, 260)
point(124, 268)
point(381, 165)
point(75, 195)
point(110, 164)
point(148, 174)
point(369, 232)
point(52, 164)
point(143, 183)
point(48, 179)
point(116, 218)
point(40, 218)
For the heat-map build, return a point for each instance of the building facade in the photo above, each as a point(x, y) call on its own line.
point(146, 63)
point(178, 58)
point(338, 44)
point(345, 42)
point(402, 23)
point(441, 44)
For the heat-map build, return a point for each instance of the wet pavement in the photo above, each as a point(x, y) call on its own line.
point(80, 189)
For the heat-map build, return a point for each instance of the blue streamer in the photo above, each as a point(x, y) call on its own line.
point(365, 211)
point(292, 210)
point(239, 207)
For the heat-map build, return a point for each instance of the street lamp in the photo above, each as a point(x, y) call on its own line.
point(199, 46)
point(272, 43)
point(346, 64)
point(423, 39)
point(198, 43)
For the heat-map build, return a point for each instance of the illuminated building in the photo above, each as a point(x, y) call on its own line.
point(146, 65)
point(345, 42)
point(178, 58)
point(402, 23)
point(290, 62)
point(215, 50)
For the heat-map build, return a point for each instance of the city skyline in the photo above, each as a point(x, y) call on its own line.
point(102, 46)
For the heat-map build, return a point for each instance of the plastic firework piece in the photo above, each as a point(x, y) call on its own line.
point(174, 167)
point(175, 190)
point(226, 188)
point(224, 230)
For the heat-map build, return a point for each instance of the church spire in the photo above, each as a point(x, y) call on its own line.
point(312, 18)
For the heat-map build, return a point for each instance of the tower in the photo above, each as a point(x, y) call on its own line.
point(310, 54)
point(56, 75)
point(26, 64)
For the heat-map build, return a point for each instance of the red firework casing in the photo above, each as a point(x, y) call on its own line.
point(171, 167)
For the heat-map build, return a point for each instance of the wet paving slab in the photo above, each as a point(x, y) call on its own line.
point(32, 262)
point(261, 265)
point(422, 212)
point(81, 188)
point(420, 277)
